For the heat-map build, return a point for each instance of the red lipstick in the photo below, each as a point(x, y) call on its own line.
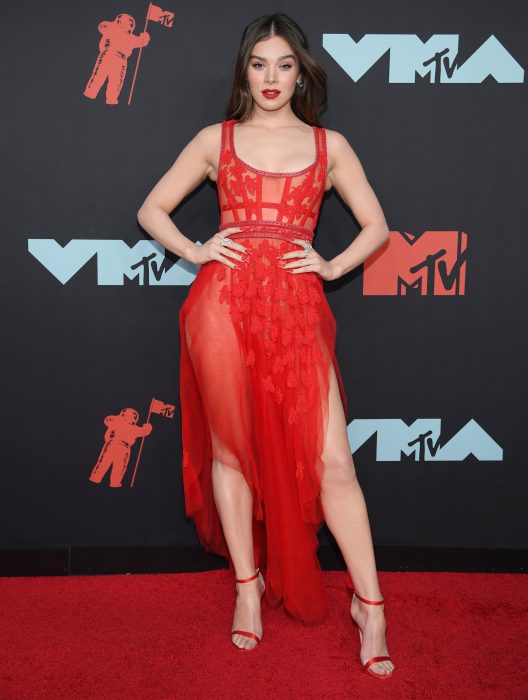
point(271, 94)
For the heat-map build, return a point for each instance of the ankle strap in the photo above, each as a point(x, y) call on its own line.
point(247, 580)
point(370, 602)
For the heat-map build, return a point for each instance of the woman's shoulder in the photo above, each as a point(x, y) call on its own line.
point(209, 137)
point(210, 134)
point(337, 145)
point(210, 140)
point(339, 149)
point(335, 139)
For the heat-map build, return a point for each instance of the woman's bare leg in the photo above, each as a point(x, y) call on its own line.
point(234, 504)
point(346, 516)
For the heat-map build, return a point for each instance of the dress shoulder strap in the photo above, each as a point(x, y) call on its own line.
point(225, 145)
point(321, 142)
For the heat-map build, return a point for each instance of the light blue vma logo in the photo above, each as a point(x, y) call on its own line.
point(423, 440)
point(436, 58)
point(115, 260)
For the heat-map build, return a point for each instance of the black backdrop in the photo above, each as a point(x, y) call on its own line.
point(441, 156)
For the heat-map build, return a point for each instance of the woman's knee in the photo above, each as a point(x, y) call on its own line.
point(339, 469)
point(224, 476)
point(221, 470)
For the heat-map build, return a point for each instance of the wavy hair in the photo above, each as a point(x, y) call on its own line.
point(308, 99)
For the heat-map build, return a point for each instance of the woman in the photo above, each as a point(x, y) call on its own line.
point(265, 449)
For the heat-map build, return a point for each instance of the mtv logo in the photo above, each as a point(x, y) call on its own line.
point(432, 263)
point(423, 438)
point(436, 58)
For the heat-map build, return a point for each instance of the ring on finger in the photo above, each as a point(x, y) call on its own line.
point(307, 248)
point(224, 241)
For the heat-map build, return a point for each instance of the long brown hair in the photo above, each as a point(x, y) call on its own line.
point(308, 100)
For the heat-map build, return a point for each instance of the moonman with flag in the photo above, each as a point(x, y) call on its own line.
point(116, 45)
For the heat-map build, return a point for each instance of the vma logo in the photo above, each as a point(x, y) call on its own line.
point(435, 59)
point(423, 440)
point(116, 261)
point(428, 264)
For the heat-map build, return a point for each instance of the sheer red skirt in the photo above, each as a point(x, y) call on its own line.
point(257, 347)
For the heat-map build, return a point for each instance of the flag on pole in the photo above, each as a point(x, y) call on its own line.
point(156, 406)
point(164, 409)
point(156, 14)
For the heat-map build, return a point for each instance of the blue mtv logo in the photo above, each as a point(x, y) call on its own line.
point(423, 440)
point(115, 260)
point(436, 58)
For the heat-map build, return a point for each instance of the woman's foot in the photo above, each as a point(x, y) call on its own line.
point(247, 613)
point(371, 621)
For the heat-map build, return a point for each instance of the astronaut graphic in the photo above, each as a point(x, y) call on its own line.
point(116, 45)
point(121, 435)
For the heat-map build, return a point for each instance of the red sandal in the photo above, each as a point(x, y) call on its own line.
point(243, 633)
point(374, 659)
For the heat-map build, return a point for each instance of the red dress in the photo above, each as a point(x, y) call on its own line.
point(257, 346)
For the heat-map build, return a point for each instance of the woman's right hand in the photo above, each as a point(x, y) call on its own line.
point(214, 250)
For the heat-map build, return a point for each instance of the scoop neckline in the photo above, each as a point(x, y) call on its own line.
point(271, 172)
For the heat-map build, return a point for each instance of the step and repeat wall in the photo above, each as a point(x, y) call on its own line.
point(99, 99)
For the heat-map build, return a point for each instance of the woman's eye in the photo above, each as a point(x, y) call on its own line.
point(284, 65)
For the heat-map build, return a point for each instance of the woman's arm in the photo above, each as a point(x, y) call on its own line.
point(191, 167)
point(349, 179)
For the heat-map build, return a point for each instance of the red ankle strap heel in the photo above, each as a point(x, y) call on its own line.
point(368, 663)
point(247, 580)
point(243, 633)
point(370, 602)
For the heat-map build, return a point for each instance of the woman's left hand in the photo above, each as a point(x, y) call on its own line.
point(309, 262)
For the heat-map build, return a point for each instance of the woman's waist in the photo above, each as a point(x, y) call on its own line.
point(267, 229)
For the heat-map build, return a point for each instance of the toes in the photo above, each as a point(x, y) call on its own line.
point(243, 642)
point(381, 668)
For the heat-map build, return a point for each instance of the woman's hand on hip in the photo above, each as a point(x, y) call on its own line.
point(309, 261)
point(214, 249)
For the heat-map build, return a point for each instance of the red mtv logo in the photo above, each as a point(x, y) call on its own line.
point(431, 263)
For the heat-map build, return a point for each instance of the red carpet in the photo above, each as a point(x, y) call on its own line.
point(167, 636)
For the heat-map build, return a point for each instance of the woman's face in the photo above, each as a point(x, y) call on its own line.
point(272, 73)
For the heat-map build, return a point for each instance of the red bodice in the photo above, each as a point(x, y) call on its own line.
point(269, 204)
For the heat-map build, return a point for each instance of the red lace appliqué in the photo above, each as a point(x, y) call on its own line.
point(265, 300)
point(279, 306)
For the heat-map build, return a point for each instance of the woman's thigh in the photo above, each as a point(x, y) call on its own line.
point(337, 456)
